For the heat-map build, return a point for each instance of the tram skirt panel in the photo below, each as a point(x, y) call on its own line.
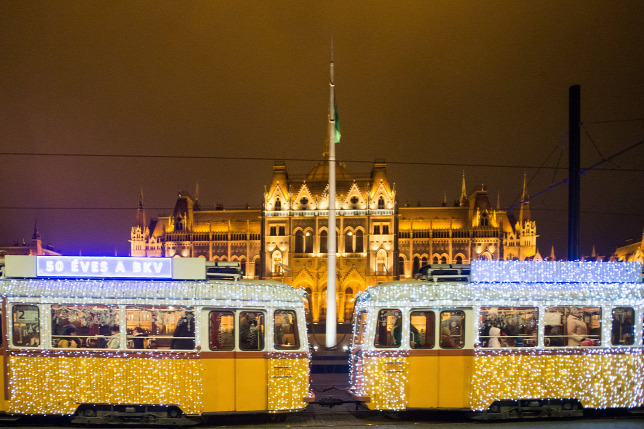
point(598, 379)
point(385, 382)
point(219, 382)
point(58, 385)
point(4, 404)
point(288, 383)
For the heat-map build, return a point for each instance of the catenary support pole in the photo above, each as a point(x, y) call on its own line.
point(574, 123)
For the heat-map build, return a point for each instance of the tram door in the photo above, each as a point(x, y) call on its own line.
point(423, 360)
point(250, 362)
point(439, 363)
point(219, 373)
point(455, 358)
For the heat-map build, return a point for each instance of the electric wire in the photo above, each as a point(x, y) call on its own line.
point(260, 158)
point(582, 172)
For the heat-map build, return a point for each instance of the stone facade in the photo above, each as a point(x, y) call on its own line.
point(377, 240)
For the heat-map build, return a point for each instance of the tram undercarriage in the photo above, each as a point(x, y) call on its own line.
point(108, 414)
point(531, 408)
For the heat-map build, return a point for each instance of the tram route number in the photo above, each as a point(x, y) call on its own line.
point(282, 372)
point(395, 366)
point(27, 316)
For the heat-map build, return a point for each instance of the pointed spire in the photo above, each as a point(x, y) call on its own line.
point(552, 253)
point(524, 211)
point(463, 199)
point(196, 206)
point(140, 212)
point(498, 201)
point(36, 242)
point(36, 235)
point(594, 253)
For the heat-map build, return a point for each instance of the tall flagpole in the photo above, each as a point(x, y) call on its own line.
point(331, 319)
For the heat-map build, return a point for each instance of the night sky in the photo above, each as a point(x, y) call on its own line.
point(433, 87)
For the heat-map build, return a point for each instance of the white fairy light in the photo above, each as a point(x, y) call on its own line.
point(599, 377)
point(44, 380)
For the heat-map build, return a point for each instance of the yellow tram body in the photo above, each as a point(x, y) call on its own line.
point(605, 371)
point(217, 372)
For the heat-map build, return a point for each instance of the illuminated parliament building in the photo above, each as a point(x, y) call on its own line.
point(377, 240)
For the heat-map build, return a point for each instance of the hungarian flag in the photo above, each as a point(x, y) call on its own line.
point(337, 133)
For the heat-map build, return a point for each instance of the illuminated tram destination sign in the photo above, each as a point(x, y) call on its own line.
point(110, 267)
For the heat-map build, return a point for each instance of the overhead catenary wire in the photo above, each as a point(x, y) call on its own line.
point(262, 158)
point(169, 209)
point(592, 167)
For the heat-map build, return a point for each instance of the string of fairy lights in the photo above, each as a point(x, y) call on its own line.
point(46, 380)
point(600, 376)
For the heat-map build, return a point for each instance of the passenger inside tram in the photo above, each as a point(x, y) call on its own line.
point(508, 327)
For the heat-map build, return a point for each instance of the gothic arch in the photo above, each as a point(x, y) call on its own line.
point(401, 265)
point(242, 265)
point(381, 192)
point(304, 277)
point(381, 262)
point(349, 240)
point(258, 267)
point(359, 237)
point(304, 199)
point(277, 261)
point(278, 194)
point(415, 266)
point(485, 256)
point(354, 199)
point(298, 241)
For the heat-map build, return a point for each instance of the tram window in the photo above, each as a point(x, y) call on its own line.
point(222, 330)
point(422, 334)
point(359, 327)
point(91, 326)
point(251, 330)
point(160, 328)
point(285, 330)
point(572, 326)
point(623, 327)
point(508, 326)
point(452, 329)
point(26, 326)
point(389, 332)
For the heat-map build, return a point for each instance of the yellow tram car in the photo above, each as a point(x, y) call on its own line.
point(520, 339)
point(154, 340)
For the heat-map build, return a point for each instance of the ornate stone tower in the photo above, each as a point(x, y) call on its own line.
point(521, 242)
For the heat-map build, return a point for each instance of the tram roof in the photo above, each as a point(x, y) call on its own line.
point(207, 292)
point(415, 293)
